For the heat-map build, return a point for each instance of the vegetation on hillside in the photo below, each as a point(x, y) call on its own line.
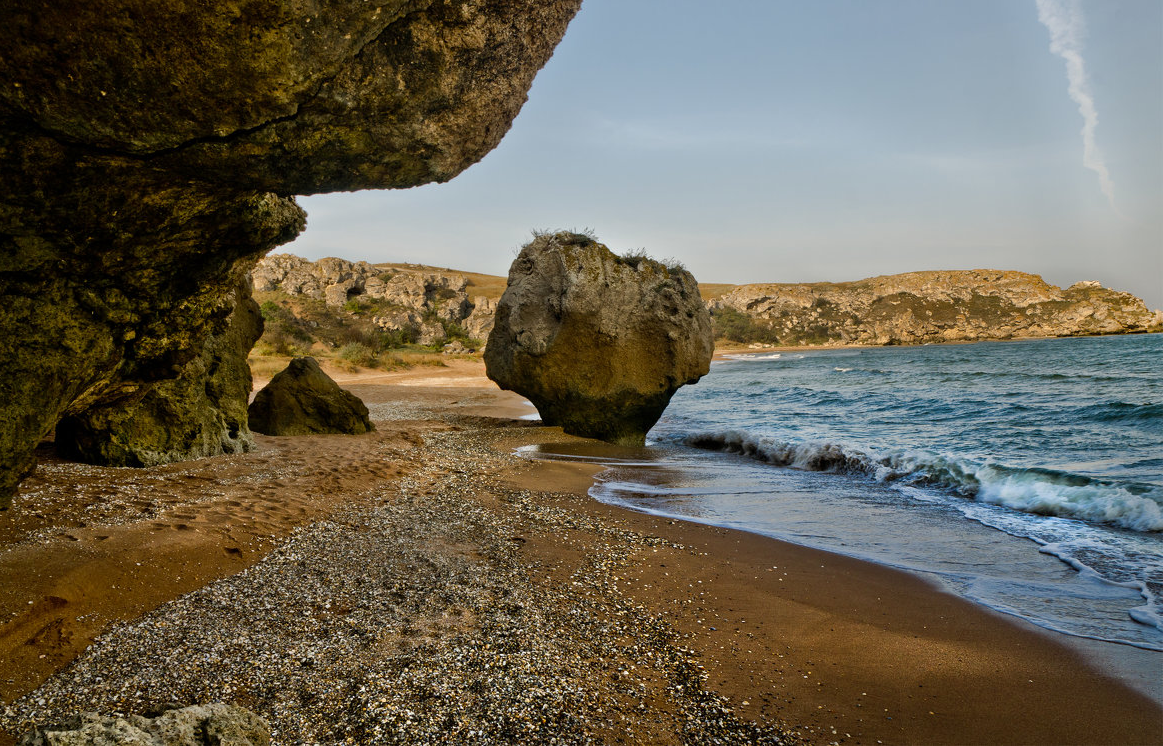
point(301, 325)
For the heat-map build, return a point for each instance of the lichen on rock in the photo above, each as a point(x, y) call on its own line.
point(215, 723)
point(599, 343)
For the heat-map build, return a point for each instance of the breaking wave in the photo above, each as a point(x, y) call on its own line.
point(1129, 505)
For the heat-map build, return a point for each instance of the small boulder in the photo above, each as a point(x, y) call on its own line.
point(218, 723)
point(303, 400)
point(599, 343)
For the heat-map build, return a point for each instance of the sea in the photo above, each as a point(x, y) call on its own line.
point(1026, 476)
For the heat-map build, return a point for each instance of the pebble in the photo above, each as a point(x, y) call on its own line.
point(416, 620)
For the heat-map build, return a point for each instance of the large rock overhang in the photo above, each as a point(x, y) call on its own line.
point(152, 153)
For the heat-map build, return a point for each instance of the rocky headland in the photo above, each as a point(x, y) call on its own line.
point(152, 155)
point(926, 307)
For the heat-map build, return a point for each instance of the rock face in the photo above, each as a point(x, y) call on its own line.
point(303, 400)
point(939, 306)
point(409, 299)
point(200, 413)
point(216, 723)
point(151, 156)
point(599, 343)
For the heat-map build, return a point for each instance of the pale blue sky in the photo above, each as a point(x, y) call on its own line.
point(765, 141)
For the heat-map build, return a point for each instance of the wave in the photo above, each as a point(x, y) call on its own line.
point(753, 356)
point(1044, 492)
point(1122, 412)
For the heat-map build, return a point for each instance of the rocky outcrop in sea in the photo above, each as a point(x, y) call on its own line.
point(597, 342)
point(922, 307)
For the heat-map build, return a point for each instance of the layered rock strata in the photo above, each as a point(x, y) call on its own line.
point(151, 155)
point(935, 306)
point(303, 400)
point(599, 343)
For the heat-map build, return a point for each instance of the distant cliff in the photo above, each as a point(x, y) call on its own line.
point(417, 304)
point(920, 307)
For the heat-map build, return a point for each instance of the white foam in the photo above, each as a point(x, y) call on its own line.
point(1037, 491)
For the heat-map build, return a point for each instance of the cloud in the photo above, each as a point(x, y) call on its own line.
point(1063, 19)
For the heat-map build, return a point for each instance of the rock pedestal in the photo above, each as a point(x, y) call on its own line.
point(599, 343)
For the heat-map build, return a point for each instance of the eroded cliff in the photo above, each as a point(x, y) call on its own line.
point(151, 154)
point(920, 307)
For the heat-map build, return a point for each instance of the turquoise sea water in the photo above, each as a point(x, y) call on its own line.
point(1027, 476)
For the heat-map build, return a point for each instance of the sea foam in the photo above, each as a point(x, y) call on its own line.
point(1038, 491)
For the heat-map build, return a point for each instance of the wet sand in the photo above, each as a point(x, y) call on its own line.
point(792, 643)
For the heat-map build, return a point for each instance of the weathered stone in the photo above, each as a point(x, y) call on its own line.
point(479, 322)
point(599, 343)
point(216, 723)
point(303, 400)
point(200, 413)
point(935, 306)
point(150, 154)
point(430, 333)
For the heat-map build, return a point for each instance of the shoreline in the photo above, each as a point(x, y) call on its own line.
point(829, 649)
point(721, 352)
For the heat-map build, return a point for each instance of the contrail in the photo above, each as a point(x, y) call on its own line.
point(1063, 18)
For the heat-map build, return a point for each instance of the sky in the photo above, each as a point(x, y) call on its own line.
point(792, 141)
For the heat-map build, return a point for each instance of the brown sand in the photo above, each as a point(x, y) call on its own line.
point(841, 649)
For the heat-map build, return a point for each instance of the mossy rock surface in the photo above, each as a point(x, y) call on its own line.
point(203, 412)
point(303, 400)
point(599, 343)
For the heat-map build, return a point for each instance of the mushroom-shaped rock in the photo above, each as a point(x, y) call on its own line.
point(599, 343)
point(303, 400)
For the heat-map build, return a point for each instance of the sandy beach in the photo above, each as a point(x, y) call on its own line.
point(423, 584)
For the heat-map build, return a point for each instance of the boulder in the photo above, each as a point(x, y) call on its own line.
point(216, 723)
point(303, 400)
point(200, 413)
point(150, 154)
point(599, 343)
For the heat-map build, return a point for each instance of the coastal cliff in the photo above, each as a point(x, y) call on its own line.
point(152, 155)
point(422, 304)
point(926, 307)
